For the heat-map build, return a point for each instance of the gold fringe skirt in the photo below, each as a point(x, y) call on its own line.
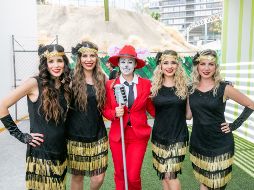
point(88, 159)
point(167, 160)
point(214, 172)
point(42, 174)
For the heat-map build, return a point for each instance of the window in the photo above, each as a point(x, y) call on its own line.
point(203, 13)
point(165, 21)
point(209, 6)
point(182, 8)
point(178, 21)
point(197, 7)
point(202, 6)
point(165, 9)
point(179, 14)
point(176, 8)
point(165, 3)
point(215, 11)
point(170, 21)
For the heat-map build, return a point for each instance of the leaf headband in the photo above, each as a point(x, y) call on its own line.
point(167, 56)
point(48, 54)
point(87, 50)
point(206, 57)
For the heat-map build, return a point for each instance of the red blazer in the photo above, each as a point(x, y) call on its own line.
point(137, 113)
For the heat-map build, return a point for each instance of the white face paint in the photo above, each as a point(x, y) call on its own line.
point(127, 65)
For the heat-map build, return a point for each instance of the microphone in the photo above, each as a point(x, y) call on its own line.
point(121, 99)
point(120, 94)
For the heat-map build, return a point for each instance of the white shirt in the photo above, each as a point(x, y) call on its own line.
point(134, 81)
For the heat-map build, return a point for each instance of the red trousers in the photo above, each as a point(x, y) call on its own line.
point(135, 150)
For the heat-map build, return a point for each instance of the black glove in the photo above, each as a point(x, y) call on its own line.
point(14, 130)
point(239, 121)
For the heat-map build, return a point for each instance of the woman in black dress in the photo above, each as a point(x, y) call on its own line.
point(212, 142)
point(87, 135)
point(48, 95)
point(170, 133)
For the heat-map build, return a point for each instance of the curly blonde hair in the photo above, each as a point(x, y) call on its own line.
point(195, 76)
point(79, 85)
point(180, 78)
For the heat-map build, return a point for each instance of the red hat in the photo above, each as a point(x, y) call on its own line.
point(129, 52)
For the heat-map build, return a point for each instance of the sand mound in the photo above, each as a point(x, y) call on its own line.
point(72, 24)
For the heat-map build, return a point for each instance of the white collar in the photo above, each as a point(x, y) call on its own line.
point(134, 80)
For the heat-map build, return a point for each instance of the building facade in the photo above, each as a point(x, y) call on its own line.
point(182, 13)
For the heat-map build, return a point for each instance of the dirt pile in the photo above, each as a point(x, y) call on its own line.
point(73, 24)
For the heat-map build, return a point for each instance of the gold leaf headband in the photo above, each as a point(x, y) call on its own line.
point(206, 57)
point(87, 50)
point(48, 54)
point(167, 56)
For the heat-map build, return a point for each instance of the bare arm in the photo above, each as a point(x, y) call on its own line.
point(29, 88)
point(237, 96)
point(188, 110)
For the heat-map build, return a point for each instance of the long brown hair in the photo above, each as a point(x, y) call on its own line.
point(50, 105)
point(79, 79)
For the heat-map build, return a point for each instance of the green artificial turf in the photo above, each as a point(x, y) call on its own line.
point(240, 180)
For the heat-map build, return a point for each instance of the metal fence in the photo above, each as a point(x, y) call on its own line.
point(25, 65)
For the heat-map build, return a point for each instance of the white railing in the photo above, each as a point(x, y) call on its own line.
point(242, 75)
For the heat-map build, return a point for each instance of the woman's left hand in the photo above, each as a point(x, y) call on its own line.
point(225, 128)
point(37, 139)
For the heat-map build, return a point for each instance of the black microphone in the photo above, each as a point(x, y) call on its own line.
point(120, 94)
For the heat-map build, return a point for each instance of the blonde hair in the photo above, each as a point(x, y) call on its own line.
point(195, 76)
point(180, 78)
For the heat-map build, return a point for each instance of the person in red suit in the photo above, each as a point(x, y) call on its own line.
point(136, 129)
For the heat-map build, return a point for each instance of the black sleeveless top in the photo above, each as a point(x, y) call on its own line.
point(54, 145)
point(86, 126)
point(208, 114)
point(170, 117)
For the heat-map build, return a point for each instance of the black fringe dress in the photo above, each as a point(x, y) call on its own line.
point(46, 165)
point(169, 134)
point(87, 138)
point(211, 150)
